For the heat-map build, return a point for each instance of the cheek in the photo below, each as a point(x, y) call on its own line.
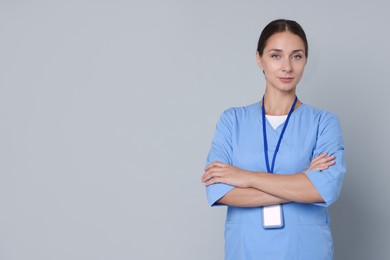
point(299, 69)
point(270, 67)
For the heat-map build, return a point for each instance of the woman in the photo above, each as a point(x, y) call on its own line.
point(277, 152)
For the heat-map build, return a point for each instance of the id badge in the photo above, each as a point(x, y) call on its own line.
point(273, 216)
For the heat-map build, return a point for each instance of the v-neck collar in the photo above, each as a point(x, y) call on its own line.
point(276, 132)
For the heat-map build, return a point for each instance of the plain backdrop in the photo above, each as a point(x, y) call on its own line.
point(108, 108)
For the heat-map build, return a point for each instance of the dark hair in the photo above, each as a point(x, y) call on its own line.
point(281, 25)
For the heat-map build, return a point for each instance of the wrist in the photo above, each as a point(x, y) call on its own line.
point(251, 178)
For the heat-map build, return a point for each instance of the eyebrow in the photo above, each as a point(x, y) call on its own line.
point(294, 51)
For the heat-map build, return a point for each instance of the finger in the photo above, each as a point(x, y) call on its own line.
point(326, 166)
point(207, 176)
point(329, 158)
point(331, 162)
point(214, 164)
point(319, 157)
point(213, 181)
point(322, 155)
point(209, 166)
point(212, 173)
point(325, 160)
point(317, 164)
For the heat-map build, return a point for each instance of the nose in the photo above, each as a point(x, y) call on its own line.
point(287, 66)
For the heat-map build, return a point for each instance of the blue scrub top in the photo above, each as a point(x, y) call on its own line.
point(239, 141)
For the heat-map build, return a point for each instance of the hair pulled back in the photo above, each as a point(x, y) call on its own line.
point(281, 25)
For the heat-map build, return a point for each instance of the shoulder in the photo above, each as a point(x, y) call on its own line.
point(241, 112)
point(323, 119)
point(318, 114)
point(234, 117)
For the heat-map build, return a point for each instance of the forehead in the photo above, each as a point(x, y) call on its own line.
point(285, 41)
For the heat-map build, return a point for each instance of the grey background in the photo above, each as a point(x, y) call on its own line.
point(107, 110)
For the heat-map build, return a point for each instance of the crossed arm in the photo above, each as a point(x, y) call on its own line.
point(254, 189)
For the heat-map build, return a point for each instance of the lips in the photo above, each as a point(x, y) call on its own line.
point(285, 79)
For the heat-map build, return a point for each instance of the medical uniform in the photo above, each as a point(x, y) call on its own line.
point(306, 232)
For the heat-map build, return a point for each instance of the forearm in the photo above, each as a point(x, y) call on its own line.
point(249, 197)
point(291, 187)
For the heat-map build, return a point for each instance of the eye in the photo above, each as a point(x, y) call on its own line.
point(296, 57)
point(275, 56)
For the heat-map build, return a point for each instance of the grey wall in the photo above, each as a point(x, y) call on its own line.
point(107, 110)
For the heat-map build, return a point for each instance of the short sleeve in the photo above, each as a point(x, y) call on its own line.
point(329, 139)
point(221, 150)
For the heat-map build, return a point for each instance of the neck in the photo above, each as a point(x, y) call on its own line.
point(279, 104)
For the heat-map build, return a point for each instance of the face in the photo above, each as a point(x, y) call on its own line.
point(283, 61)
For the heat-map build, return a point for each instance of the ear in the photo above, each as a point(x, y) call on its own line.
point(259, 61)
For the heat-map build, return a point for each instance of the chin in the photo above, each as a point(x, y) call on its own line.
point(286, 89)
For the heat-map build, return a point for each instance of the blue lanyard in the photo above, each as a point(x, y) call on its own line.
point(271, 170)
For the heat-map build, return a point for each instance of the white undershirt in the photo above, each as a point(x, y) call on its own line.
point(276, 121)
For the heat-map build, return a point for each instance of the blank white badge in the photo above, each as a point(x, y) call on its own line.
point(273, 216)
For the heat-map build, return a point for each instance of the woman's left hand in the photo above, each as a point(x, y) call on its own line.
point(218, 172)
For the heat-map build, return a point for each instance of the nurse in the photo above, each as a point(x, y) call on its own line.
point(277, 164)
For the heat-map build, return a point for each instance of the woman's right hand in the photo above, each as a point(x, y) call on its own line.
point(321, 162)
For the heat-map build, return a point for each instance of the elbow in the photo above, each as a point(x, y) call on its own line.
point(326, 185)
point(332, 198)
point(314, 197)
point(216, 192)
point(332, 194)
point(221, 202)
point(327, 199)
